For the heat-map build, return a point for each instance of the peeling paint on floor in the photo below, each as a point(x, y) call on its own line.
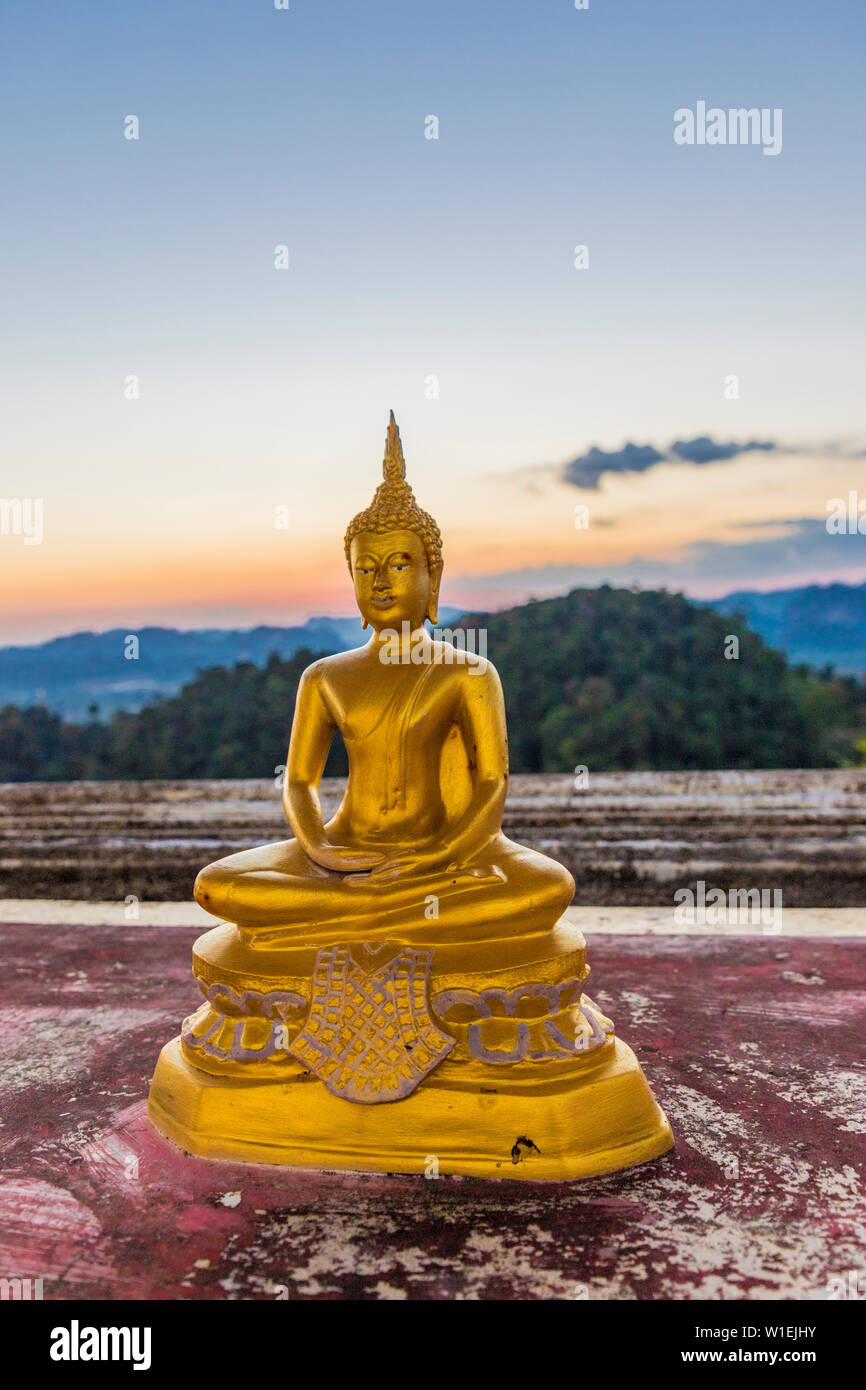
point(762, 1075)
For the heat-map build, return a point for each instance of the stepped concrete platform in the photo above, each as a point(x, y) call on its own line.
point(628, 837)
point(751, 1039)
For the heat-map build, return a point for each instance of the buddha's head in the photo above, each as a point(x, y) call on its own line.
point(394, 550)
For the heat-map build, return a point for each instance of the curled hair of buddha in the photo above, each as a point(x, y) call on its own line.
point(394, 507)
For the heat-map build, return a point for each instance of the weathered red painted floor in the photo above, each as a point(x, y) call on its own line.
point(754, 1046)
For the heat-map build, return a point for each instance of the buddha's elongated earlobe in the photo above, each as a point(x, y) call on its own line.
point(364, 624)
point(433, 601)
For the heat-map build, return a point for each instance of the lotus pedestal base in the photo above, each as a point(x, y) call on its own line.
point(572, 1120)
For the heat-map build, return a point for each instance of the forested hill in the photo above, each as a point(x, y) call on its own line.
point(607, 678)
point(617, 679)
point(821, 625)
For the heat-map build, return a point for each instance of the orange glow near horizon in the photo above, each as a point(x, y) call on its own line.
point(502, 538)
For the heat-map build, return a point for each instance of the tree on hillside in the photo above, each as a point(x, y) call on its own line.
point(623, 680)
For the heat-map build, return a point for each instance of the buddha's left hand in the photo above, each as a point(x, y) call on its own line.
point(405, 864)
point(412, 864)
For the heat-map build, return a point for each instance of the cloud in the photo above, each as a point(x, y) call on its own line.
point(706, 450)
point(804, 552)
point(587, 469)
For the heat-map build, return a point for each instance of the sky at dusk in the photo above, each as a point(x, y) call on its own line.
point(436, 277)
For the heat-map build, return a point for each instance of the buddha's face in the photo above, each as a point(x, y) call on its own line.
point(393, 583)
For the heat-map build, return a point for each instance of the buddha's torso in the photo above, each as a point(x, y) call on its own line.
point(395, 720)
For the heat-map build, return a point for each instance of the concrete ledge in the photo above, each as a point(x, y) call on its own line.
point(626, 837)
point(593, 921)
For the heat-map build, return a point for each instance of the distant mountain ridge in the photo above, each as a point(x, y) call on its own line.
point(612, 679)
point(70, 674)
point(819, 625)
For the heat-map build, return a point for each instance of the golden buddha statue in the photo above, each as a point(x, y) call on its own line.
point(404, 958)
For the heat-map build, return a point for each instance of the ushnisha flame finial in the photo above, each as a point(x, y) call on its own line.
point(394, 507)
point(393, 464)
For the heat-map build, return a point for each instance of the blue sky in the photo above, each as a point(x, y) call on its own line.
point(412, 258)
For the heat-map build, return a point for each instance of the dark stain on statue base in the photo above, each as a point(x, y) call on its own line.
point(522, 1142)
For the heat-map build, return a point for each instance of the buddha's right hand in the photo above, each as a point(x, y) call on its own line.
point(343, 859)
